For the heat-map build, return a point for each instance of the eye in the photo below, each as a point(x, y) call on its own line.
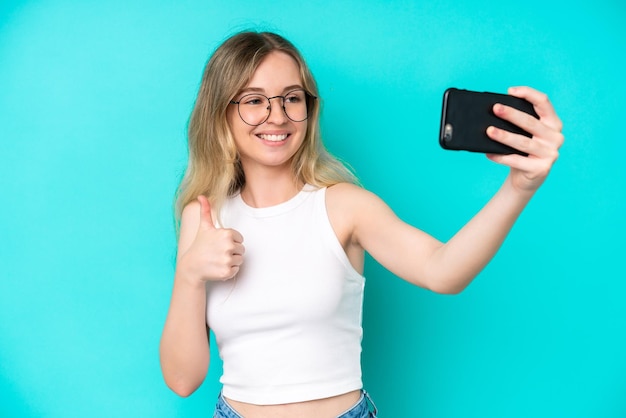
point(294, 97)
point(253, 100)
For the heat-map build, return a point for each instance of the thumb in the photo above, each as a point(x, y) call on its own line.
point(206, 219)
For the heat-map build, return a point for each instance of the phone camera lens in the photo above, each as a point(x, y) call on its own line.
point(447, 133)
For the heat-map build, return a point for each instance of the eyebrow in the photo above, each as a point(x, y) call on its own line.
point(261, 90)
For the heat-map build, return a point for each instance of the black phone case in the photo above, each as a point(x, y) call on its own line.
point(466, 115)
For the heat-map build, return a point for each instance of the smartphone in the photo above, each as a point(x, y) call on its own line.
point(466, 115)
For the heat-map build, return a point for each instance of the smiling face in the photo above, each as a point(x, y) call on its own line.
point(272, 144)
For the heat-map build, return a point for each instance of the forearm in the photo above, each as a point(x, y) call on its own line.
point(454, 265)
point(184, 348)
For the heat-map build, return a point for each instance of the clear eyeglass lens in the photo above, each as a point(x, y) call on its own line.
point(254, 109)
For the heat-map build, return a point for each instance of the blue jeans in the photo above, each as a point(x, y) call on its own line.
point(364, 408)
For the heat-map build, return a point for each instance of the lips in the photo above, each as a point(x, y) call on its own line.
point(272, 137)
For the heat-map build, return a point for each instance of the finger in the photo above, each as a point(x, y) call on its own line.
point(535, 146)
point(236, 261)
point(239, 249)
point(537, 128)
point(525, 121)
point(542, 105)
point(206, 218)
point(518, 142)
point(232, 273)
point(237, 237)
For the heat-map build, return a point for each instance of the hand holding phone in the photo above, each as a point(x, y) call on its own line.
point(466, 115)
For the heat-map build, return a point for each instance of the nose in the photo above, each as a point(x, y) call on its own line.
point(277, 114)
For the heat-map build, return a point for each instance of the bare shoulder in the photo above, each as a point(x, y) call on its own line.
point(353, 209)
point(348, 194)
point(354, 200)
point(364, 215)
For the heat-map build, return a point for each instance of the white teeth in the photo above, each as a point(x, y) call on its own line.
point(273, 138)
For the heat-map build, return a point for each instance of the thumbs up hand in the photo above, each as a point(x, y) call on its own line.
point(215, 253)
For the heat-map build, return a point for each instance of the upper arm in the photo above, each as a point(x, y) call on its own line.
point(399, 247)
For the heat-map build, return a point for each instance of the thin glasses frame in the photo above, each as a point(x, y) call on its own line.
point(308, 97)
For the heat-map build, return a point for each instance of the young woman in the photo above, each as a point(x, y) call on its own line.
point(273, 232)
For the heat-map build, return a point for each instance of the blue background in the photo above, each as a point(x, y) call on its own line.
point(94, 101)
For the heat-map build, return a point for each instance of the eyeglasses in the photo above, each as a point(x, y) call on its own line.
point(254, 108)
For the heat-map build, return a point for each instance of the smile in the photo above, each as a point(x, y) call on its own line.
point(273, 138)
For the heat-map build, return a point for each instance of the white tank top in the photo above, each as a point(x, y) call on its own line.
point(288, 327)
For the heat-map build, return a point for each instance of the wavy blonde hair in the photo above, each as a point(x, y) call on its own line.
point(214, 168)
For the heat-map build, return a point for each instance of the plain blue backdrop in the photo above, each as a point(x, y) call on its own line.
point(94, 101)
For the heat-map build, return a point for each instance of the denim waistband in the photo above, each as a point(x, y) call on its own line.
point(364, 408)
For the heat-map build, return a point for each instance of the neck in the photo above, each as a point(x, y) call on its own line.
point(266, 188)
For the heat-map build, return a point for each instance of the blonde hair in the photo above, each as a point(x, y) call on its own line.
point(214, 168)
